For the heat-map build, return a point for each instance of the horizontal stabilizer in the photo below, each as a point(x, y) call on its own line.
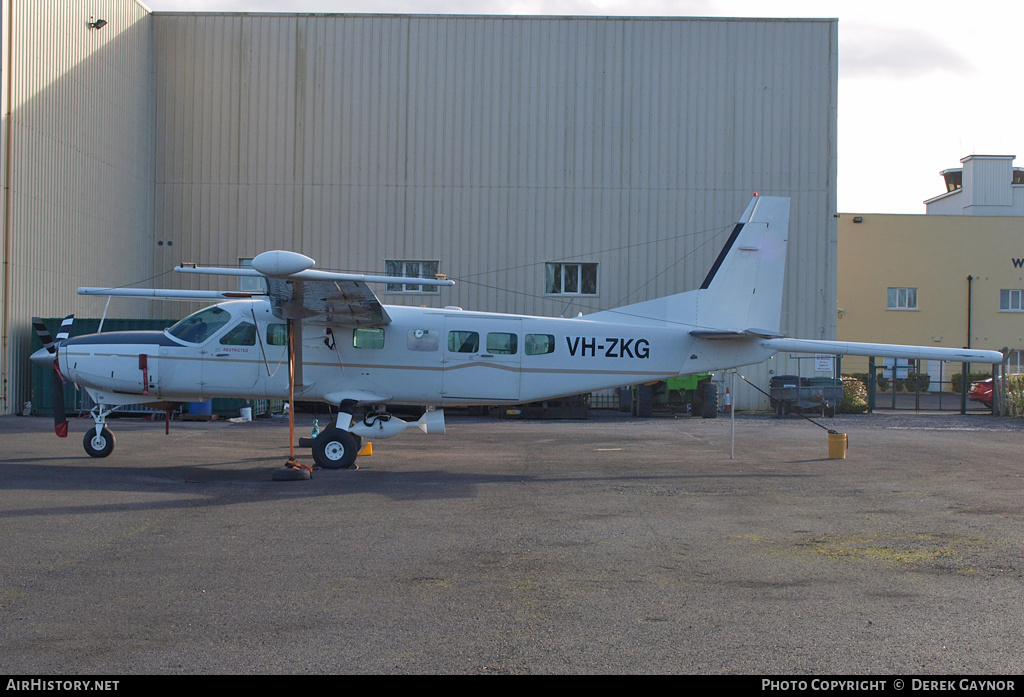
point(847, 348)
point(719, 334)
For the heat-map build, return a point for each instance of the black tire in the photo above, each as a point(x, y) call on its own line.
point(335, 449)
point(709, 408)
point(98, 446)
point(644, 401)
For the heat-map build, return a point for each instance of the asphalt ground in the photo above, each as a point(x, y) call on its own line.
point(612, 545)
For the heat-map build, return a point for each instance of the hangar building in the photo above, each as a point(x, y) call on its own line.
point(551, 165)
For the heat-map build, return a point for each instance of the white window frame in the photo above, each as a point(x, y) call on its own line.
point(557, 276)
point(250, 284)
point(1011, 300)
point(413, 268)
point(905, 298)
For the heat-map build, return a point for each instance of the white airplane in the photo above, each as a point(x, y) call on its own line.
point(351, 351)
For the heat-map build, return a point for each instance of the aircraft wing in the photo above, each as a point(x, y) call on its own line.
point(169, 294)
point(327, 298)
point(848, 348)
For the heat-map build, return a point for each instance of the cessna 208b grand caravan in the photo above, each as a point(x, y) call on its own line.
point(351, 351)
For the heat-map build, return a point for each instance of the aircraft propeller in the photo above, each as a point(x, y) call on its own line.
point(50, 346)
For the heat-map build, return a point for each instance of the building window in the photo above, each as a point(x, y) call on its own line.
point(1011, 300)
point(250, 284)
point(902, 299)
point(570, 279)
point(410, 269)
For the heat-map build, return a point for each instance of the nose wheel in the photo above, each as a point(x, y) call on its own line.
point(99, 441)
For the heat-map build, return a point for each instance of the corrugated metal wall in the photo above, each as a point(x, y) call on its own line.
point(492, 144)
point(495, 144)
point(78, 160)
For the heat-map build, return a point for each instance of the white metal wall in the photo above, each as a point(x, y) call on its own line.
point(77, 140)
point(498, 143)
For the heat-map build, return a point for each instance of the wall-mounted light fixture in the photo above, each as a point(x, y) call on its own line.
point(97, 24)
point(858, 219)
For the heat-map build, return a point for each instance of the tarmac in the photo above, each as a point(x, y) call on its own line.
point(610, 545)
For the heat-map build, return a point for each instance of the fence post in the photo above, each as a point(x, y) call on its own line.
point(871, 384)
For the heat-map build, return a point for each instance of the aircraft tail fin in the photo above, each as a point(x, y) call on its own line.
point(742, 292)
point(743, 289)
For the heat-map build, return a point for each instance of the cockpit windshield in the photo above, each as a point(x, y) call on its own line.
point(200, 326)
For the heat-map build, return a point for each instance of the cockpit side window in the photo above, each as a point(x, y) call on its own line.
point(201, 325)
point(242, 335)
point(277, 335)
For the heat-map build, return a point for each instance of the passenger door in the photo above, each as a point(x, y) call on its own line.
point(482, 359)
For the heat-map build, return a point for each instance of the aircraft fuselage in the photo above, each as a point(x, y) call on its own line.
point(432, 357)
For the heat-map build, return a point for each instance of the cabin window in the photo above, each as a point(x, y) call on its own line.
point(201, 325)
point(411, 269)
point(424, 339)
point(242, 335)
point(1011, 300)
point(570, 279)
point(902, 299)
point(463, 342)
point(372, 338)
point(539, 344)
point(502, 344)
point(277, 335)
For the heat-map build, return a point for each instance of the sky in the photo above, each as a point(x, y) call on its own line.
point(922, 84)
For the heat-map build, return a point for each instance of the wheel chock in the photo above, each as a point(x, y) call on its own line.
point(367, 449)
point(293, 471)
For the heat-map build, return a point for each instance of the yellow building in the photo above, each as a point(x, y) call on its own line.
point(942, 280)
point(953, 277)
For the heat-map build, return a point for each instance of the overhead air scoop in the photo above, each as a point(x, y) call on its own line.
point(281, 263)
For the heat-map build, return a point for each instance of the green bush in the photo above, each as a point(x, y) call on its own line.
point(957, 379)
point(914, 382)
point(855, 396)
point(1015, 395)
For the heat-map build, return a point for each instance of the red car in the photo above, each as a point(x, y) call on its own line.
point(981, 391)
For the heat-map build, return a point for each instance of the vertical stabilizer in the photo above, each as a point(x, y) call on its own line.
point(742, 290)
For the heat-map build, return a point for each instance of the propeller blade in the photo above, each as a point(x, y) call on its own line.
point(60, 421)
point(44, 334)
point(65, 328)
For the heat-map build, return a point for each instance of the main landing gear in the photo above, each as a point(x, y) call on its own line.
point(337, 447)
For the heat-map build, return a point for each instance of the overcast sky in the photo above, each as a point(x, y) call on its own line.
point(921, 84)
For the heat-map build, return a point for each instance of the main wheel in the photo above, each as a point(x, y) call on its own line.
point(335, 449)
point(98, 445)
